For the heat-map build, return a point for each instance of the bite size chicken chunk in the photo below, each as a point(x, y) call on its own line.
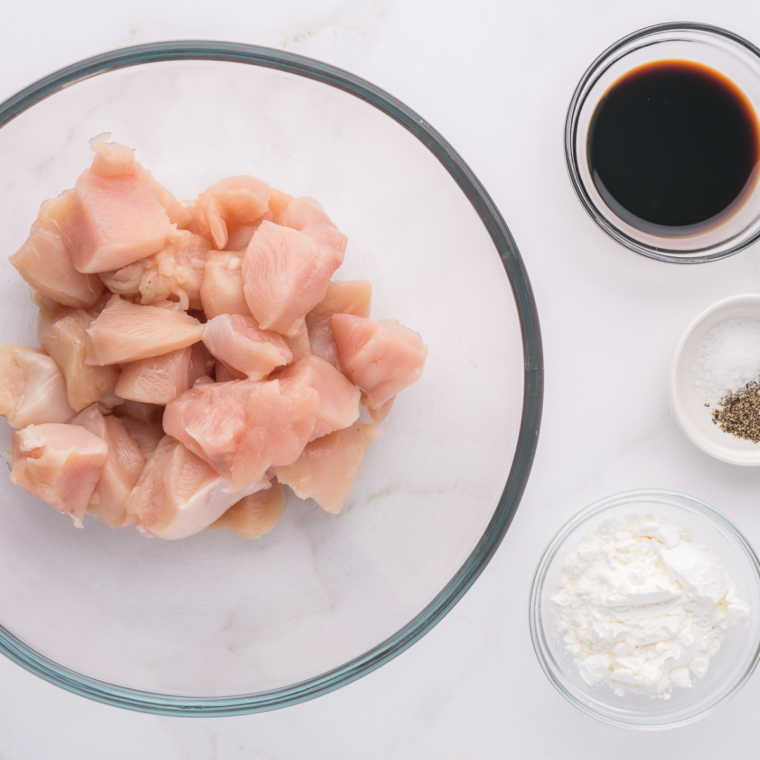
point(328, 466)
point(126, 332)
point(255, 515)
point(382, 358)
point(60, 464)
point(178, 494)
point(120, 471)
point(63, 336)
point(222, 285)
point(347, 297)
point(45, 263)
point(242, 345)
point(233, 202)
point(32, 387)
point(115, 217)
point(338, 398)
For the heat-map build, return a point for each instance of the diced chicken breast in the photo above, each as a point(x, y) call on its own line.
point(278, 202)
point(243, 346)
point(178, 494)
point(233, 202)
point(378, 415)
point(382, 358)
point(210, 419)
point(299, 344)
point(120, 471)
point(241, 236)
point(175, 272)
point(222, 285)
point(126, 332)
point(32, 388)
point(253, 515)
point(338, 398)
point(45, 263)
point(145, 434)
point(307, 215)
point(157, 380)
point(176, 212)
point(327, 468)
point(349, 297)
point(60, 464)
point(285, 275)
point(115, 217)
point(62, 334)
point(279, 420)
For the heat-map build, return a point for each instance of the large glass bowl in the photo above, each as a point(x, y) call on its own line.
point(215, 625)
point(729, 668)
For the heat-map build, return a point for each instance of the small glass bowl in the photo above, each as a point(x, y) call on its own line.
point(711, 46)
point(729, 668)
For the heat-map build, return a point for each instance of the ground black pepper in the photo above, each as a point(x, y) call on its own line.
point(739, 413)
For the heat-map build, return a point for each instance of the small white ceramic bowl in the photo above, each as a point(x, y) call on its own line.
point(687, 405)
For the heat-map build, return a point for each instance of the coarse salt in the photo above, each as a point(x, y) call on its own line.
point(726, 359)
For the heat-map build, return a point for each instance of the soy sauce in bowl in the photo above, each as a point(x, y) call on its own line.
point(673, 147)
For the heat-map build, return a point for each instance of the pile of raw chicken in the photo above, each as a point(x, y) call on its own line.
point(194, 357)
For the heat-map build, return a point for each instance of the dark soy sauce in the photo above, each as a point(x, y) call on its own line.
point(673, 147)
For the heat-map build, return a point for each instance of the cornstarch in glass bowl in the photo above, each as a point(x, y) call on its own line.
point(644, 609)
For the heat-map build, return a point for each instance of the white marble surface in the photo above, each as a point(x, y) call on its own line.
point(495, 79)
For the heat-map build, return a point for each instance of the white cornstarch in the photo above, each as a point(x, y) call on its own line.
point(642, 608)
point(726, 359)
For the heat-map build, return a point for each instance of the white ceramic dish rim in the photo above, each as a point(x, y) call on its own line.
point(723, 453)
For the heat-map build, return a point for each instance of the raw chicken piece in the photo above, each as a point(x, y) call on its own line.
point(44, 261)
point(176, 212)
point(349, 297)
point(242, 345)
point(299, 344)
point(32, 388)
point(307, 215)
point(157, 380)
point(279, 421)
point(178, 494)
point(140, 411)
point(233, 202)
point(382, 358)
point(222, 286)
point(62, 334)
point(175, 271)
point(241, 236)
point(121, 470)
point(379, 414)
point(285, 275)
point(210, 419)
point(114, 218)
point(254, 515)
point(60, 464)
point(338, 398)
point(126, 332)
point(278, 202)
point(328, 467)
point(145, 434)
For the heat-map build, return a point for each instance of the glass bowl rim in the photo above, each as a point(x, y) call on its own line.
point(537, 631)
point(592, 73)
point(473, 190)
